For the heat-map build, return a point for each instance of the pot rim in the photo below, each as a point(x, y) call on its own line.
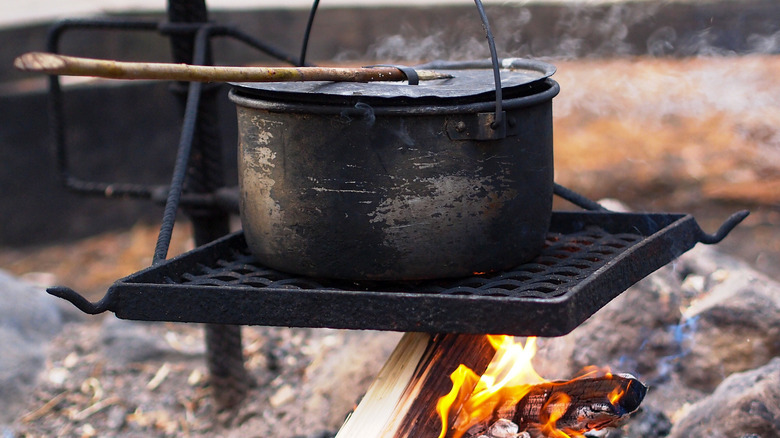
point(471, 82)
point(549, 89)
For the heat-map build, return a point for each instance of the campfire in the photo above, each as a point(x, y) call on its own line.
point(511, 396)
point(484, 386)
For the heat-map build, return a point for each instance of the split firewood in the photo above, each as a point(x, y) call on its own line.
point(582, 404)
point(402, 400)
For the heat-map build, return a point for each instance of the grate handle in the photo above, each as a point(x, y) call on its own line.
point(725, 228)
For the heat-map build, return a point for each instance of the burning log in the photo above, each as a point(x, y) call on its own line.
point(494, 393)
point(580, 405)
point(567, 408)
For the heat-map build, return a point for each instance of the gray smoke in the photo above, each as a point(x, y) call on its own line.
point(589, 29)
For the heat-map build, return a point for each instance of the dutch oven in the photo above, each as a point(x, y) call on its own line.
point(394, 181)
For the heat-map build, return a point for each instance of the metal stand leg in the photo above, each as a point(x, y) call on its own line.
point(223, 343)
point(198, 167)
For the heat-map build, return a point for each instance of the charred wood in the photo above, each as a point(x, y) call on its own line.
point(575, 406)
point(582, 404)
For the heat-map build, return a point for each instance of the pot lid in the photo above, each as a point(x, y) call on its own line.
point(471, 82)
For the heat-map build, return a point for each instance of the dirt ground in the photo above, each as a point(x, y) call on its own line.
point(692, 135)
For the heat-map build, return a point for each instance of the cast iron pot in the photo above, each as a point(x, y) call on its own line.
point(386, 181)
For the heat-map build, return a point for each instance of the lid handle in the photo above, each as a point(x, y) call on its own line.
point(411, 74)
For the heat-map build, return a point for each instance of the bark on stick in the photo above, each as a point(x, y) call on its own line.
point(55, 64)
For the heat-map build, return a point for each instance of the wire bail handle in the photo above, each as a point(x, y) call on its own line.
point(499, 121)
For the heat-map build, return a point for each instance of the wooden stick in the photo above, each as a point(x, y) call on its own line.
point(55, 64)
point(402, 400)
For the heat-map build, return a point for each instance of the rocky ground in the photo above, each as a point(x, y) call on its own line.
point(693, 135)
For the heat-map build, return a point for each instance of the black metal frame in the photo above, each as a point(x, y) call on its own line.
point(57, 113)
point(174, 195)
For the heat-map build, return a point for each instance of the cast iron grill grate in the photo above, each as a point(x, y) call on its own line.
point(565, 261)
point(589, 258)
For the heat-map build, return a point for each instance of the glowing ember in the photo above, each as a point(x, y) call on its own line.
point(511, 388)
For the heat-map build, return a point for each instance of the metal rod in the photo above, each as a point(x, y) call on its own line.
point(499, 119)
point(204, 174)
point(79, 301)
point(179, 173)
point(307, 32)
point(576, 198)
point(57, 114)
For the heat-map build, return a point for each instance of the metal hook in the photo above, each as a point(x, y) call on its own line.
point(724, 229)
point(79, 301)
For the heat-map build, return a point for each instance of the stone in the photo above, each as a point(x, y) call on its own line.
point(29, 318)
point(681, 331)
point(504, 428)
point(335, 384)
point(21, 363)
point(318, 434)
point(28, 310)
point(282, 396)
point(332, 381)
point(736, 327)
point(708, 261)
point(645, 423)
point(632, 334)
point(126, 342)
point(744, 404)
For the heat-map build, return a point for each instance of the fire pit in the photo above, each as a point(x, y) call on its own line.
point(585, 260)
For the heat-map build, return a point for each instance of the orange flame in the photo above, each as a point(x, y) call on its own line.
point(615, 395)
point(557, 407)
point(507, 379)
